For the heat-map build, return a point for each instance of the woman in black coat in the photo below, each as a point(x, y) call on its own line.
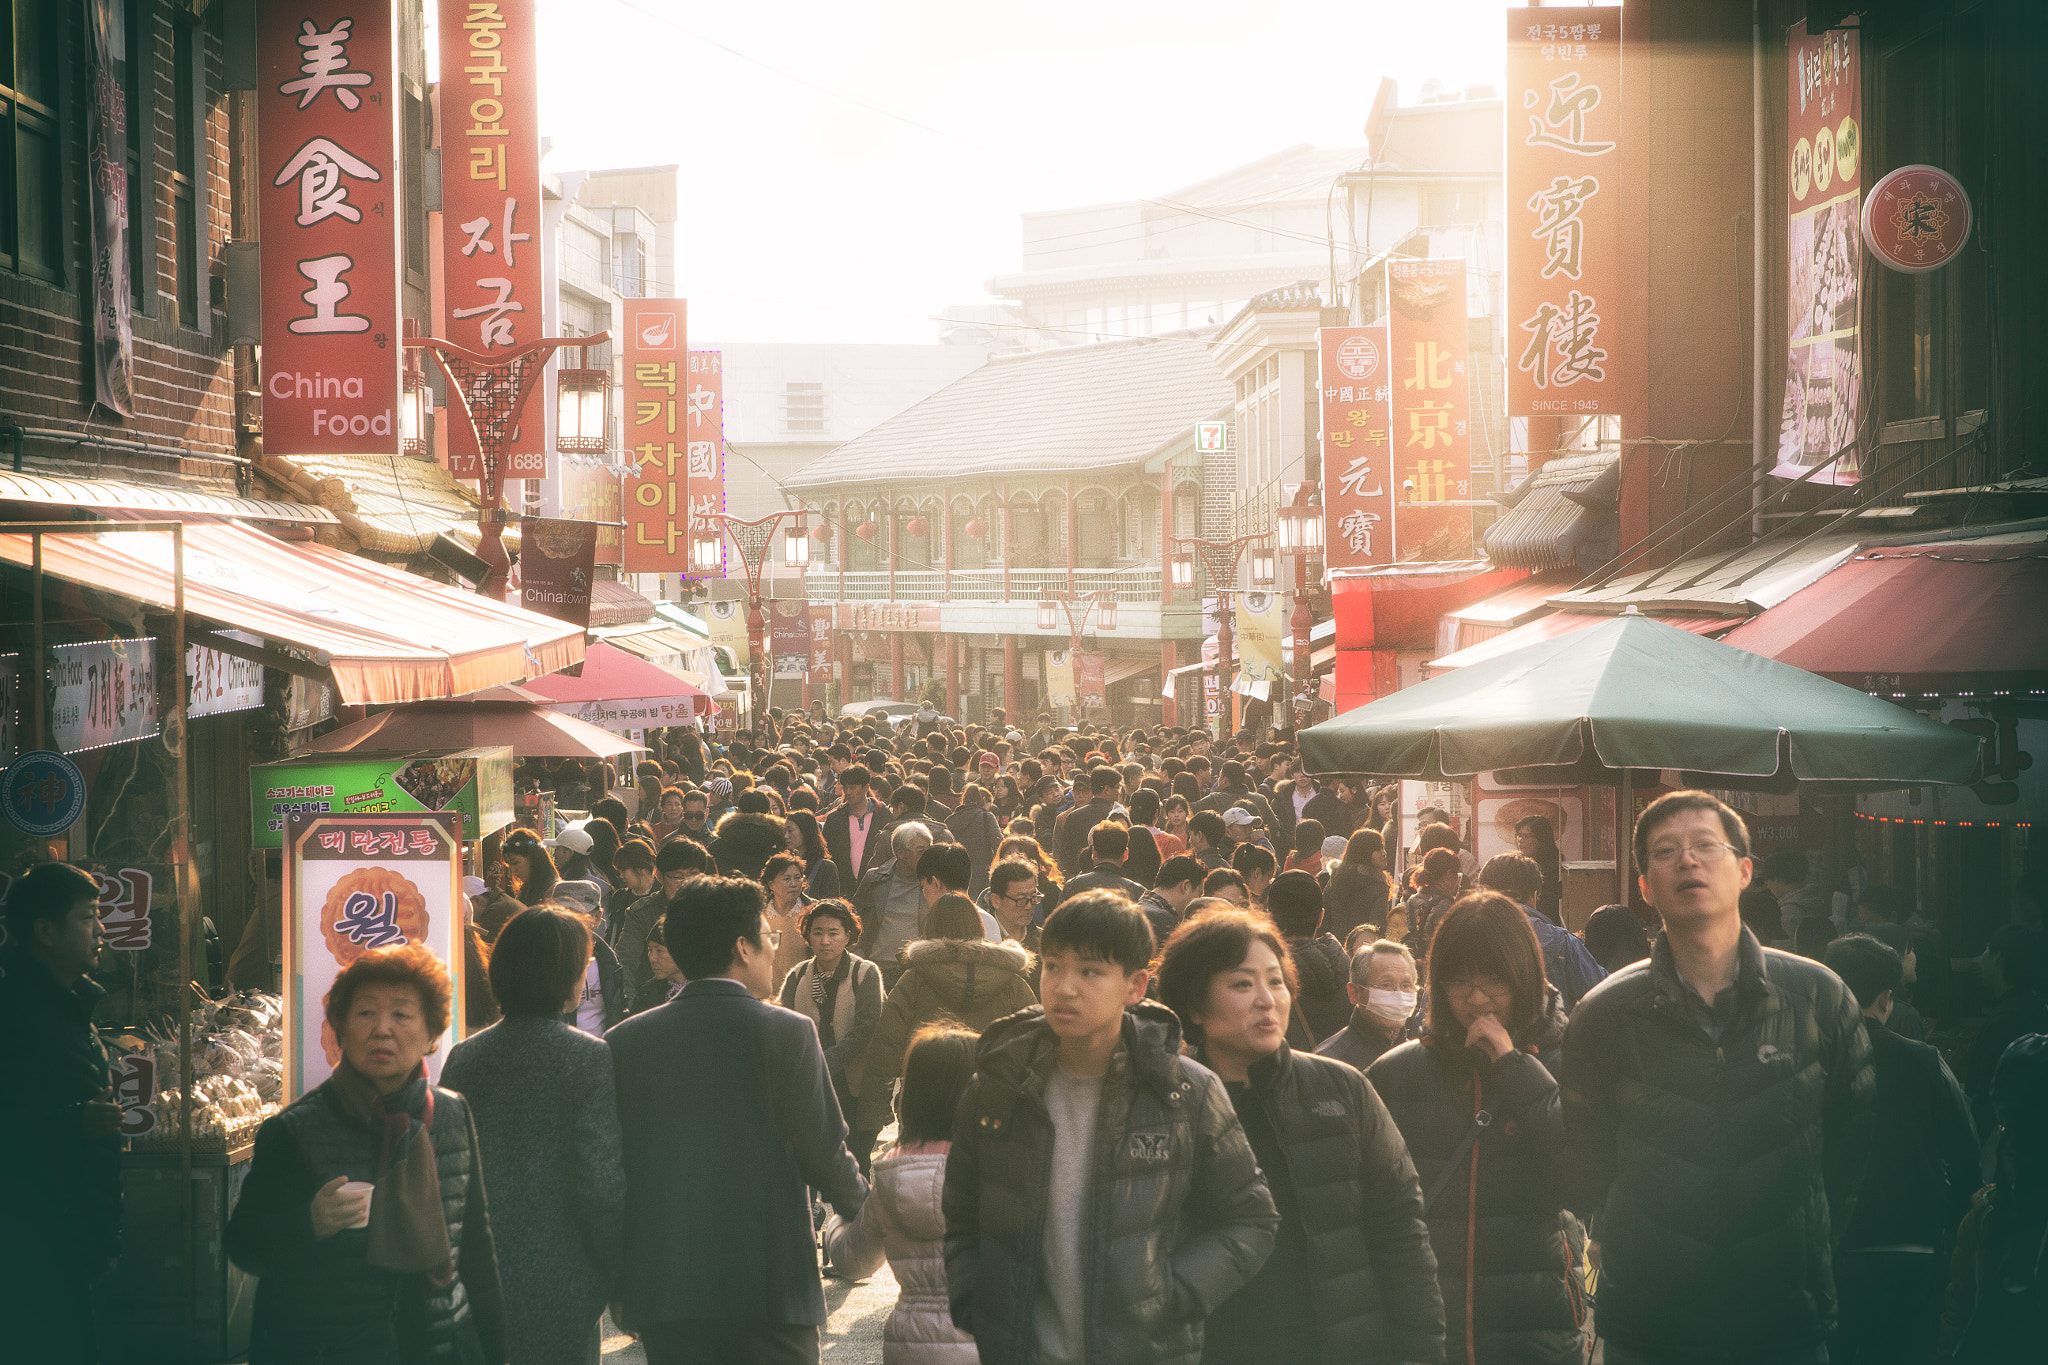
point(1351, 1277)
point(1478, 1105)
point(803, 837)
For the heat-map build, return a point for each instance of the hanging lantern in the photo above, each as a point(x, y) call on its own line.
point(916, 526)
point(1048, 614)
point(1262, 566)
point(975, 528)
point(822, 533)
point(582, 412)
point(1183, 571)
point(707, 551)
point(796, 547)
point(1105, 611)
point(866, 530)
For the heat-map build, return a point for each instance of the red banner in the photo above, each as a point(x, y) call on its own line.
point(789, 637)
point(1358, 490)
point(327, 121)
point(654, 396)
point(490, 195)
point(821, 642)
point(707, 445)
point(1564, 249)
point(1432, 440)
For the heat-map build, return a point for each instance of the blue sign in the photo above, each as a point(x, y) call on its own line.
point(44, 793)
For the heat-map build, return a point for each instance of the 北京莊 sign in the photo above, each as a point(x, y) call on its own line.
point(327, 137)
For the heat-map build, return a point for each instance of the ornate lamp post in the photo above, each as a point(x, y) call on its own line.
point(754, 540)
point(1103, 604)
point(1220, 558)
point(1301, 535)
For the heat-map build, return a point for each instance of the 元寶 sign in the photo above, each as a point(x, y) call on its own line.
point(1358, 487)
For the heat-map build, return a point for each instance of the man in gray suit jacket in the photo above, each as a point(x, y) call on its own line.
point(728, 1115)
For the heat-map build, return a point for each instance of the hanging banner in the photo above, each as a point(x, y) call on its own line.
point(1358, 496)
point(653, 399)
point(102, 692)
point(490, 204)
point(1432, 441)
point(591, 492)
point(728, 622)
point(474, 783)
point(789, 637)
point(106, 151)
point(327, 134)
point(1261, 626)
point(707, 449)
point(555, 563)
point(1059, 678)
point(353, 883)
point(821, 642)
point(1564, 247)
point(1088, 680)
point(217, 684)
point(1824, 250)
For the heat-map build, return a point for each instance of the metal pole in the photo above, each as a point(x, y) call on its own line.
point(182, 873)
point(39, 673)
point(1759, 460)
point(1223, 642)
point(1624, 831)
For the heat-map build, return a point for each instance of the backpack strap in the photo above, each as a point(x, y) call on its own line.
point(1481, 1121)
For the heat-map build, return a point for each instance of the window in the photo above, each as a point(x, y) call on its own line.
point(186, 125)
point(803, 408)
point(415, 155)
point(31, 214)
point(137, 36)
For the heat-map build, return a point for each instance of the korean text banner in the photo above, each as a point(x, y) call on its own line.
point(490, 196)
point(656, 358)
point(327, 123)
point(1432, 408)
point(475, 784)
point(1059, 678)
point(1358, 492)
point(707, 447)
point(354, 883)
point(102, 692)
point(1564, 247)
point(1824, 250)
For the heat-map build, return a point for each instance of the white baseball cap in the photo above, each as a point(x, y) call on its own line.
point(1237, 815)
point(575, 838)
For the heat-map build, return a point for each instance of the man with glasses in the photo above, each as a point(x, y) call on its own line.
point(1715, 1102)
point(696, 817)
point(1013, 897)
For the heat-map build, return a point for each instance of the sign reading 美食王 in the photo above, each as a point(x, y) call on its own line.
point(1358, 492)
point(1432, 409)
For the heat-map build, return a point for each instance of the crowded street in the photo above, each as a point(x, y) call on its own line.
point(969, 685)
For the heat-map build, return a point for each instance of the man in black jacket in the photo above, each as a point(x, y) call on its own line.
point(1104, 785)
point(1923, 1170)
point(857, 814)
point(1111, 844)
point(728, 1114)
point(1716, 1104)
point(1341, 807)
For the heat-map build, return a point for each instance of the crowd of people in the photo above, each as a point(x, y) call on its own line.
point(1177, 1070)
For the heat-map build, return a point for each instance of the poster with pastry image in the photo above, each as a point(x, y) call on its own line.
point(353, 884)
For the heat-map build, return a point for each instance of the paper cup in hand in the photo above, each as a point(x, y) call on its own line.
point(365, 1189)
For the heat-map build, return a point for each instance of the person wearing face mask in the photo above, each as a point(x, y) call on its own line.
point(1478, 1105)
point(1351, 1276)
point(1384, 1011)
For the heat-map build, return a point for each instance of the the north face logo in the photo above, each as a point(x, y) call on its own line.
point(1149, 1147)
point(1768, 1054)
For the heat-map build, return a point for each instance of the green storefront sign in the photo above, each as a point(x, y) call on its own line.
point(475, 783)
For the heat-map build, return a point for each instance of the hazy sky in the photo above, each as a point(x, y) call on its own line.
point(876, 173)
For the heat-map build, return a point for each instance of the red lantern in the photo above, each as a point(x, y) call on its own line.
point(822, 534)
point(866, 530)
point(916, 526)
point(976, 528)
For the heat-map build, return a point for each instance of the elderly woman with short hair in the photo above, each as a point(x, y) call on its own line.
point(406, 1271)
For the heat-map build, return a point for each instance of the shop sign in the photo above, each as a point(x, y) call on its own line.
point(125, 900)
point(1432, 430)
point(1563, 188)
point(490, 196)
point(217, 684)
point(556, 559)
point(1916, 219)
point(632, 715)
point(655, 393)
point(473, 783)
point(106, 151)
point(918, 616)
point(45, 793)
point(1358, 497)
point(1211, 438)
point(1824, 252)
point(354, 883)
point(134, 1076)
point(591, 492)
point(307, 703)
point(821, 641)
point(327, 137)
point(102, 692)
point(789, 637)
point(707, 449)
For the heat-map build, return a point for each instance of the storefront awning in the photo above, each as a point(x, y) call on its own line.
point(1562, 623)
point(1563, 515)
point(615, 604)
point(1120, 670)
point(661, 643)
point(111, 494)
point(1912, 620)
point(384, 634)
point(389, 504)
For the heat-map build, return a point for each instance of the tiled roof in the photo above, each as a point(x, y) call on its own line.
point(390, 504)
point(1076, 407)
point(1564, 515)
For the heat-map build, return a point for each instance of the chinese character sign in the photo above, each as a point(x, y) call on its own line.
point(102, 692)
point(1824, 251)
point(707, 445)
point(327, 120)
point(490, 190)
point(1358, 490)
point(654, 400)
point(1431, 438)
point(354, 883)
point(1564, 249)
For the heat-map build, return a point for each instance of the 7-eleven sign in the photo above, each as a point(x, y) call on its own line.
point(1209, 438)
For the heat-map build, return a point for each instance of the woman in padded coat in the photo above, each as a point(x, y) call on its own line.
point(1351, 1278)
point(1478, 1105)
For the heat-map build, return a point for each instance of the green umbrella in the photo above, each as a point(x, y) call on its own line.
point(1633, 694)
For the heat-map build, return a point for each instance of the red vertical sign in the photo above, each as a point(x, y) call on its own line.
point(1358, 488)
point(1432, 432)
point(1564, 280)
point(655, 398)
point(490, 195)
point(707, 445)
point(327, 120)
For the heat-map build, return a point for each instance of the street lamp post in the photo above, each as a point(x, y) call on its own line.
point(1301, 534)
point(753, 539)
point(1220, 557)
point(1103, 604)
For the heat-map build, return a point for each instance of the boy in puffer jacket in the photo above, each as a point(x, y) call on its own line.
point(1101, 1198)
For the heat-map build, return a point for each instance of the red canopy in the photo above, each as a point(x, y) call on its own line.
point(623, 693)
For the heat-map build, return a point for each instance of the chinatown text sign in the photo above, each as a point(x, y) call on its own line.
point(1564, 247)
point(327, 120)
point(1432, 432)
point(789, 637)
point(1824, 251)
point(654, 397)
point(555, 560)
point(1358, 497)
point(490, 195)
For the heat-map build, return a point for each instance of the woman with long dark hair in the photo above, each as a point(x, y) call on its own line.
point(1360, 890)
point(1477, 1101)
point(529, 866)
point(1436, 884)
point(1350, 1277)
point(806, 839)
point(1536, 837)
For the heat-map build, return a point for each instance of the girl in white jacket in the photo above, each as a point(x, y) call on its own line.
point(902, 1217)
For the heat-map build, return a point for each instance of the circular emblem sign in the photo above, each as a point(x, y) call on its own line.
point(1916, 219)
point(44, 793)
point(1357, 357)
